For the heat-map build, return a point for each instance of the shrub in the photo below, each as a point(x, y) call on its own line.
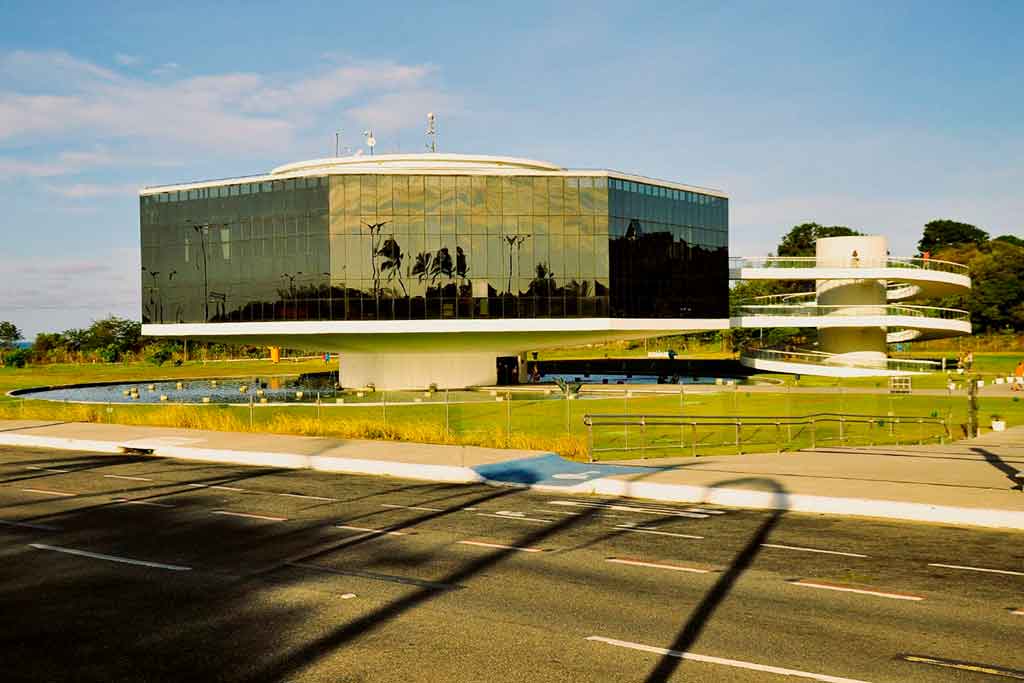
point(160, 356)
point(17, 358)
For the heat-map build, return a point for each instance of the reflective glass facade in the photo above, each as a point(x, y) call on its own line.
point(400, 247)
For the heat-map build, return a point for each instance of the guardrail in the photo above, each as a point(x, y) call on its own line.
point(820, 358)
point(738, 262)
point(661, 435)
point(852, 310)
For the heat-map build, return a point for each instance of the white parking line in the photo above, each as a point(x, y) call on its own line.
point(516, 518)
point(47, 469)
point(366, 530)
point(638, 530)
point(482, 544)
point(29, 525)
point(859, 591)
point(657, 565)
point(124, 476)
point(976, 569)
point(627, 508)
point(111, 558)
point(150, 503)
point(299, 495)
point(50, 493)
point(810, 550)
point(735, 663)
point(249, 516)
point(410, 507)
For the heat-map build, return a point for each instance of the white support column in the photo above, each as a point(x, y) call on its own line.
point(863, 344)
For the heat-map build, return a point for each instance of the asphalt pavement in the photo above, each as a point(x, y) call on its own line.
point(133, 568)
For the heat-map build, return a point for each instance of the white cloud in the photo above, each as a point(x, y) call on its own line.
point(237, 112)
point(72, 290)
point(127, 60)
point(93, 190)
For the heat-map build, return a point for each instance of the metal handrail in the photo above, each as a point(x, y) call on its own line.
point(821, 358)
point(738, 262)
point(852, 310)
point(739, 422)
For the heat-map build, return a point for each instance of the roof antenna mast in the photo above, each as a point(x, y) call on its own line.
point(337, 143)
point(432, 132)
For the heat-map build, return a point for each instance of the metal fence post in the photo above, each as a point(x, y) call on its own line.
point(896, 431)
point(590, 440)
point(250, 412)
point(508, 418)
point(643, 436)
point(842, 429)
point(814, 432)
point(693, 441)
point(447, 432)
point(739, 445)
point(920, 431)
point(384, 399)
point(778, 437)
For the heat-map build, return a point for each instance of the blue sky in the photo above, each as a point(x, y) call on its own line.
point(880, 116)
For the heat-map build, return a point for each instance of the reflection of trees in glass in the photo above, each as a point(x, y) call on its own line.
point(461, 267)
point(514, 243)
point(441, 265)
point(391, 267)
point(374, 229)
point(421, 268)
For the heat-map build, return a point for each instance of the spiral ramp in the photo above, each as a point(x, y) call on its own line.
point(858, 307)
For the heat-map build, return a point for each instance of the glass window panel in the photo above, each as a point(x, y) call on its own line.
point(462, 194)
point(572, 196)
point(432, 195)
point(448, 194)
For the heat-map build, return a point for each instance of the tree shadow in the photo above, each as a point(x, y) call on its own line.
point(1006, 468)
point(701, 615)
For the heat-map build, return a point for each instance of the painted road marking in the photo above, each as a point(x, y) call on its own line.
point(405, 580)
point(481, 544)
point(299, 495)
point(735, 663)
point(640, 530)
point(976, 569)
point(859, 591)
point(411, 507)
point(111, 558)
point(518, 517)
point(575, 475)
point(249, 516)
point(215, 486)
point(47, 469)
point(966, 666)
point(366, 530)
point(123, 476)
point(657, 565)
point(150, 503)
point(810, 550)
point(29, 525)
point(50, 493)
point(626, 508)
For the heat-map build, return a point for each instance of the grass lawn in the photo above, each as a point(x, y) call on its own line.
point(528, 421)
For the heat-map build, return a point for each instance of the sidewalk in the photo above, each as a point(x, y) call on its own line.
point(964, 483)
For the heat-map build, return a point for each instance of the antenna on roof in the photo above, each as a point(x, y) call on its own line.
point(370, 140)
point(337, 143)
point(432, 132)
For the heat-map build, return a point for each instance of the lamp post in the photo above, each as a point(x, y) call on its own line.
point(201, 229)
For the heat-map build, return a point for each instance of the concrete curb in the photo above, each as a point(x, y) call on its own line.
point(606, 486)
point(798, 502)
point(322, 463)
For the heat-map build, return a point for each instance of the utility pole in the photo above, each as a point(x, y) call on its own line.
point(972, 407)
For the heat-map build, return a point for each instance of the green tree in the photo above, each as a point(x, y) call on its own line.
point(1012, 239)
point(996, 299)
point(9, 334)
point(943, 232)
point(799, 241)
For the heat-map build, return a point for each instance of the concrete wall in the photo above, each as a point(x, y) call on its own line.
point(393, 371)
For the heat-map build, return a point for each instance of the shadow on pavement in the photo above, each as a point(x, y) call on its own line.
point(1006, 468)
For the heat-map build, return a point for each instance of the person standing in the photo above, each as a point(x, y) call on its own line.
point(1018, 377)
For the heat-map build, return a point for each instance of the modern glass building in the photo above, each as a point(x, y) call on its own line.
point(466, 257)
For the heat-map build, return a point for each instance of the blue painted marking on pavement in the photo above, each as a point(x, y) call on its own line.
point(551, 470)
